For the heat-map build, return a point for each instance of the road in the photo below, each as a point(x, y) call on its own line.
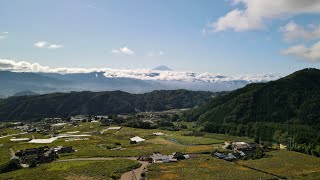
point(135, 174)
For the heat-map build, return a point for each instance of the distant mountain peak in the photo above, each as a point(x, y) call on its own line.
point(162, 68)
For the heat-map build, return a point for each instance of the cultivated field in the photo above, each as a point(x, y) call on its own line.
point(75, 170)
point(287, 164)
point(284, 164)
point(204, 167)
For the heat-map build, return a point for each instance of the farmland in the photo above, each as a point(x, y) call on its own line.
point(75, 170)
point(287, 163)
point(204, 167)
point(113, 163)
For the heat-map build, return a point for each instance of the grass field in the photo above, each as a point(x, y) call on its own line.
point(287, 163)
point(75, 170)
point(204, 167)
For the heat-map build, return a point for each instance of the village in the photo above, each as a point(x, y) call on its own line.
point(56, 140)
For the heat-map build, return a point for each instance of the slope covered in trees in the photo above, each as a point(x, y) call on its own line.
point(286, 111)
point(97, 103)
point(293, 99)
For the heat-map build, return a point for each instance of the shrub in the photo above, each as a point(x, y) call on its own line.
point(12, 165)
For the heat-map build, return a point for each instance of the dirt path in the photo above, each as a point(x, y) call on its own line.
point(135, 174)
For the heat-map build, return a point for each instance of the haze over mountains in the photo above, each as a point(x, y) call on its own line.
point(24, 76)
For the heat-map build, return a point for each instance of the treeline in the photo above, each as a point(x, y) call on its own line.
point(300, 138)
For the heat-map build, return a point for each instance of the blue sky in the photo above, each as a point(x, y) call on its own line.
point(230, 37)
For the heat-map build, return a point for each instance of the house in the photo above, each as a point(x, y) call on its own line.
point(240, 146)
point(219, 155)
point(226, 145)
point(64, 149)
point(36, 156)
point(158, 134)
point(178, 156)
point(161, 158)
point(230, 157)
point(137, 139)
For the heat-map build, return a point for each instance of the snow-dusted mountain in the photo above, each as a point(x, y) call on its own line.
point(162, 68)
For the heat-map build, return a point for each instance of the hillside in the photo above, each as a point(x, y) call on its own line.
point(25, 93)
point(294, 99)
point(97, 103)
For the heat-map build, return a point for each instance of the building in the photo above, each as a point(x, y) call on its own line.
point(219, 155)
point(114, 128)
point(36, 156)
point(162, 158)
point(137, 139)
point(64, 149)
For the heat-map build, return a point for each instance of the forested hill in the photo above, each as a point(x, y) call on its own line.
point(294, 99)
point(97, 103)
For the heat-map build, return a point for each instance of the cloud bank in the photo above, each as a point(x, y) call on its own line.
point(252, 14)
point(142, 74)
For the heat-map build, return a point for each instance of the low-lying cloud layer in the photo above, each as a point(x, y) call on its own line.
point(142, 74)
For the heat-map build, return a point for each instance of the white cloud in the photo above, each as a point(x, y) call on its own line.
point(311, 53)
point(55, 46)
point(254, 13)
point(41, 44)
point(45, 44)
point(293, 31)
point(124, 50)
point(142, 74)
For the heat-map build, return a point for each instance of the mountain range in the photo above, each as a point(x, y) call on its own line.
point(97, 103)
point(132, 82)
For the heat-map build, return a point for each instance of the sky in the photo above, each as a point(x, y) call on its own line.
point(221, 36)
